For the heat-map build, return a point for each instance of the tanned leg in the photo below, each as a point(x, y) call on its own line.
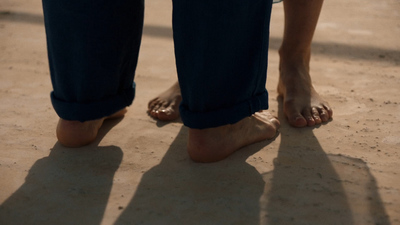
point(302, 104)
point(76, 134)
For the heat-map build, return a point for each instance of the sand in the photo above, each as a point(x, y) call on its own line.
point(138, 172)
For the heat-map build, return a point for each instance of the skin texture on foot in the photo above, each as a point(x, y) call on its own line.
point(302, 105)
point(215, 144)
point(165, 107)
point(74, 134)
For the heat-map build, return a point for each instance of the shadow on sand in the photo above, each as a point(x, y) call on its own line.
point(308, 186)
point(70, 186)
point(179, 191)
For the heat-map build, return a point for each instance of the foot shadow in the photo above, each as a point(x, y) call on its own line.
point(179, 191)
point(308, 186)
point(160, 123)
point(70, 186)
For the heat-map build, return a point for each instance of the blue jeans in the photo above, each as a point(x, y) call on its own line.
point(221, 49)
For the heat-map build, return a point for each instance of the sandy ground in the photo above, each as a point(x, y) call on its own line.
point(138, 171)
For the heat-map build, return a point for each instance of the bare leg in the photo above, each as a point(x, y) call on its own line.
point(214, 144)
point(166, 106)
point(302, 104)
point(75, 134)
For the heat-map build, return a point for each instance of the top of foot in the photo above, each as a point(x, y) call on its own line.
point(165, 107)
point(302, 105)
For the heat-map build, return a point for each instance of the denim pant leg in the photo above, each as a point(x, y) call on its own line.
point(93, 50)
point(221, 49)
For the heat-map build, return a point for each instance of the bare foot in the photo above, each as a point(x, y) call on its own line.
point(76, 134)
point(166, 106)
point(214, 144)
point(302, 105)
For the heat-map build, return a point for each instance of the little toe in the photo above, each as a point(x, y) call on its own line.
point(329, 110)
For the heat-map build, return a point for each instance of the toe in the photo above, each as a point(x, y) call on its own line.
point(324, 115)
point(315, 115)
point(308, 117)
point(167, 114)
point(294, 115)
point(153, 103)
point(164, 113)
point(297, 120)
point(329, 110)
point(169, 111)
point(154, 111)
point(268, 118)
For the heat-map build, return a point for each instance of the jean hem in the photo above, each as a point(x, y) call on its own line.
point(92, 110)
point(220, 117)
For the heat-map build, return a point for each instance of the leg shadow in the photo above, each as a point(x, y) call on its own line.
point(308, 186)
point(70, 186)
point(179, 191)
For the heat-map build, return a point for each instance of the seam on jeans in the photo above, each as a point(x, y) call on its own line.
point(261, 53)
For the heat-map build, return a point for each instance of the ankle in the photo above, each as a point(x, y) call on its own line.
point(294, 57)
point(204, 145)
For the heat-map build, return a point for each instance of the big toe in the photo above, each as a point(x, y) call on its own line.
point(297, 120)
